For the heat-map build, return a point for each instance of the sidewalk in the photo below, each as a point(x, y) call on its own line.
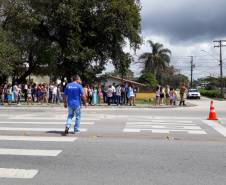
point(188, 104)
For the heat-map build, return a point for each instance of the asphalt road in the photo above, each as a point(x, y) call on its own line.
point(117, 146)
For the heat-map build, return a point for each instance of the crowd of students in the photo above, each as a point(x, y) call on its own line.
point(31, 93)
point(121, 94)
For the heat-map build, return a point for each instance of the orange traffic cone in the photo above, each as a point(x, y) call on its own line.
point(212, 115)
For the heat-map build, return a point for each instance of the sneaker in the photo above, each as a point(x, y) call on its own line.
point(76, 130)
point(66, 130)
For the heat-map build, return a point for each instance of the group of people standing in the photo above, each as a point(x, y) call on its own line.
point(168, 95)
point(40, 93)
point(121, 94)
point(11, 93)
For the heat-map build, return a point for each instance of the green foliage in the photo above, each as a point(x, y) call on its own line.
point(148, 79)
point(156, 61)
point(9, 55)
point(178, 79)
point(210, 93)
point(129, 74)
point(213, 82)
point(122, 64)
point(78, 36)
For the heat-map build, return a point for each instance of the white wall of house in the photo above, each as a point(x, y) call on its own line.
point(111, 81)
point(39, 79)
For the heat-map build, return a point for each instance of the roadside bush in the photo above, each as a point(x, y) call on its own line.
point(210, 93)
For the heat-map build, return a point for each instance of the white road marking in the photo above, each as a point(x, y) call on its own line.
point(40, 117)
point(201, 132)
point(50, 118)
point(131, 130)
point(167, 127)
point(161, 131)
point(164, 126)
point(35, 129)
point(159, 123)
point(17, 173)
point(175, 118)
point(41, 123)
point(38, 138)
point(170, 121)
point(216, 126)
point(27, 152)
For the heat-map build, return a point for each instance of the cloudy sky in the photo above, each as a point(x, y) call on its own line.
point(186, 27)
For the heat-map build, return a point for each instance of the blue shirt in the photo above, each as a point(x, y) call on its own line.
point(130, 92)
point(74, 91)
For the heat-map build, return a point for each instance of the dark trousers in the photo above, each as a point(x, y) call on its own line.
point(109, 100)
point(118, 99)
point(25, 95)
point(123, 98)
point(114, 99)
point(105, 97)
point(50, 96)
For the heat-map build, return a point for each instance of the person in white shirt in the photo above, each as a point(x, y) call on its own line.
point(157, 95)
point(114, 93)
point(54, 94)
point(15, 93)
point(109, 94)
point(118, 94)
point(50, 92)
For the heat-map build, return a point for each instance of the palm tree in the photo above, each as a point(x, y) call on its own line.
point(157, 61)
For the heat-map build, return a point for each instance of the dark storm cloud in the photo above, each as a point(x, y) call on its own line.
point(184, 20)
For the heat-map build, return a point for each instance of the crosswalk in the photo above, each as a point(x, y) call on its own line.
point(46, 128)
point(12, 173)
point(21, 129)
point(163, 126)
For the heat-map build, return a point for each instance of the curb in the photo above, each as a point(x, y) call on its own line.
point(138, 106)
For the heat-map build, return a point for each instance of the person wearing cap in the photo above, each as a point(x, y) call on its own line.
point(73, 94)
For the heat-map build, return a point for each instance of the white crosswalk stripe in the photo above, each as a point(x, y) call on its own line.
point(17, 173)
point(164, 126)
point(37, 138)
point(29, 152)
point(32, 129)
point(42, 122)
point(17, 125)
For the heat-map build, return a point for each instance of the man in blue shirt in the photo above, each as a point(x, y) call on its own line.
point(73, 94)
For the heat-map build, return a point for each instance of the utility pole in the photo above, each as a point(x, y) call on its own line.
point(192, 69)
point(220, 42)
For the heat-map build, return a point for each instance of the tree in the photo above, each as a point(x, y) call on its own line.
point(156, 61)
point(148, 79)
point(85, 34)
point(178, 79)
point(168, 76)
point(129, 74)
point(18, 19)
point(122, 64)
point(9, 56)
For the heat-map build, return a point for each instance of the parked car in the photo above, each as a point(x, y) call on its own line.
point(193, 93)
